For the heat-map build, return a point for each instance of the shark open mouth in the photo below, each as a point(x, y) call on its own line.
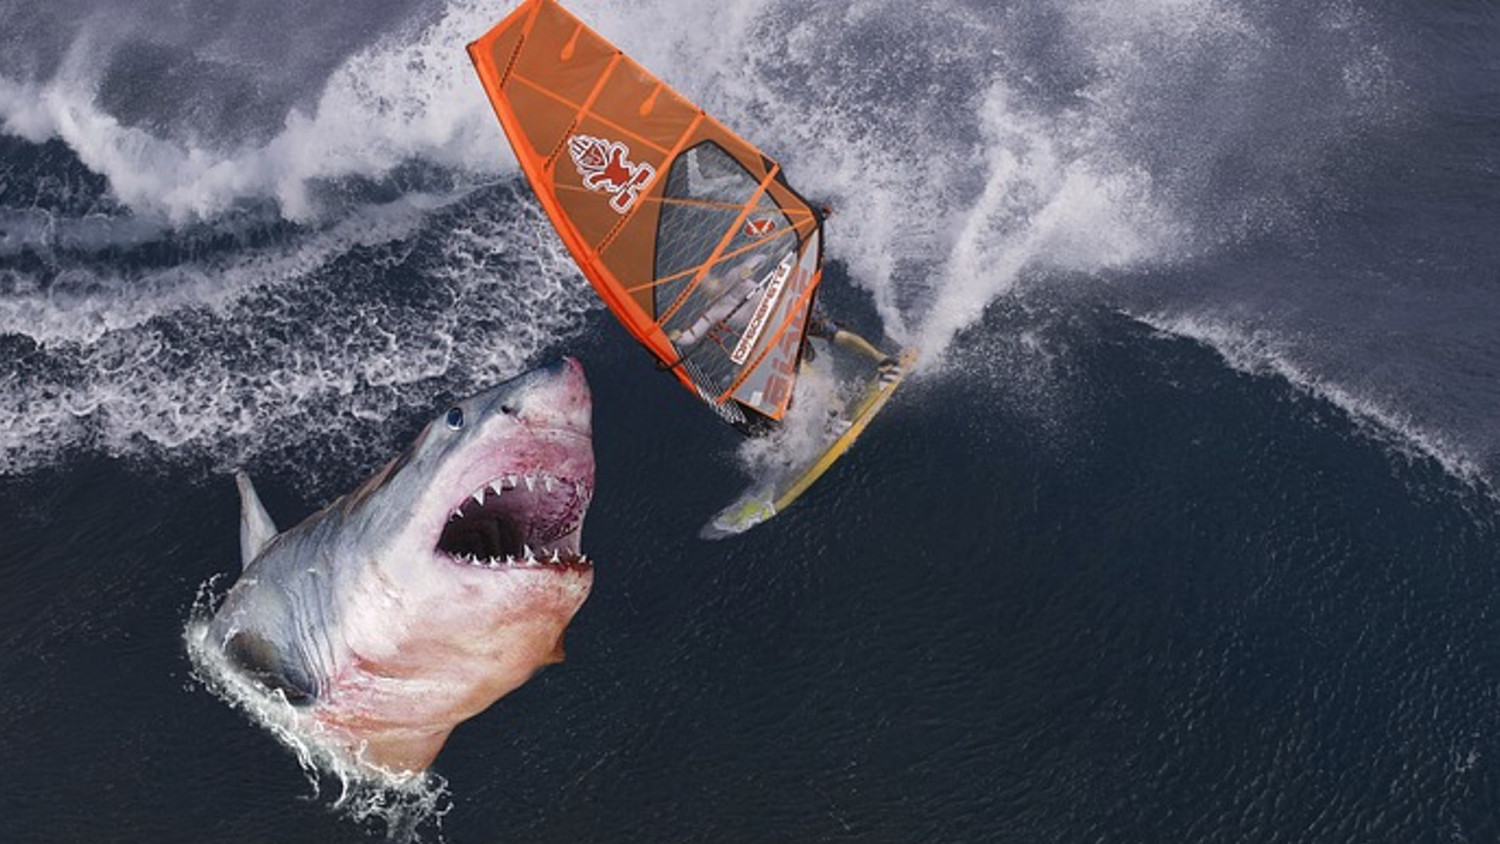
point(519, 520)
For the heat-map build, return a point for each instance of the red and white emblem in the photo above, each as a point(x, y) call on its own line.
point(605, 167)
point(760, 228)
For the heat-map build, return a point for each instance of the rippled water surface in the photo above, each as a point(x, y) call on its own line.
point(1186, 530)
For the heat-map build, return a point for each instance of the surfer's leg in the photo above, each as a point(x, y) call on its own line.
point(849, 340)
point(887, 368)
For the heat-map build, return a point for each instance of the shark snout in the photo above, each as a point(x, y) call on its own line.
point(555, 396)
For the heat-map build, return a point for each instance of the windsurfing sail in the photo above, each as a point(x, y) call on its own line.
point(692, 237)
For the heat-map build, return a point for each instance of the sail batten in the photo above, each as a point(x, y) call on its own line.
point(691, 236)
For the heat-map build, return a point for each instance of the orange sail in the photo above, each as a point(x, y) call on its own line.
point(691, 236)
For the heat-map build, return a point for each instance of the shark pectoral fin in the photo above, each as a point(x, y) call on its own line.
point(256, 528)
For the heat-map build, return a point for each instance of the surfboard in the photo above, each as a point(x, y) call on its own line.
point(764, 500)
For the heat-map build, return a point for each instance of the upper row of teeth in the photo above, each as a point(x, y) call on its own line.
point(529, 559)
point(499, 485)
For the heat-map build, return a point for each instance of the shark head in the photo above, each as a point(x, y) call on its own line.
point(491, 496)
point(498, 482)
point(439, 585)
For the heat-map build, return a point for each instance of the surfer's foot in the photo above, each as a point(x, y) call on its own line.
point(888, 370)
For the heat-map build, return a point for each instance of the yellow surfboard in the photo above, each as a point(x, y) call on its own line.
point(760, 503)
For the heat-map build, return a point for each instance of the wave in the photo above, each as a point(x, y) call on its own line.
point(966, 143)
point(976, 150)
point(1263, 352)
point(970, 151)
point(405, 97)
point(243, 356)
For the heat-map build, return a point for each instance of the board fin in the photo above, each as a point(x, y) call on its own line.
point(256, 528)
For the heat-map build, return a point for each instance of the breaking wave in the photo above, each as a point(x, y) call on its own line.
point(974, 153)
point(410, 96)
point(1262, 353)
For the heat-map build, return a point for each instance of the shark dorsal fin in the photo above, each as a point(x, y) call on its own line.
point(256, 528)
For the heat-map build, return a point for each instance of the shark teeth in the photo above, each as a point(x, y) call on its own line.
point(499, 486)
point(525, 507)
point(547, 558)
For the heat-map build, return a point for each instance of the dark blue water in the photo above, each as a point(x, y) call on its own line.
point(1187, 532)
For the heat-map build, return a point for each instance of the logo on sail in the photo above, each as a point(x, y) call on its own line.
point(774, 282)
point(760, 228)
point(605, 167)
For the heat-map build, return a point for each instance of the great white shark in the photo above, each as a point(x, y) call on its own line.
point(441, 584)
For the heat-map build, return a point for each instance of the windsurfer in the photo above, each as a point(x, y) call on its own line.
point(819, 325)
point(887, 368)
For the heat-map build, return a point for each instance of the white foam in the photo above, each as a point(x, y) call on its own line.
point(407, 97)
point(225, 363)
point(403, 804)
point(89, 299)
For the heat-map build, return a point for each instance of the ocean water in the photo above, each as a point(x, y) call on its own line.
point(1186, 530)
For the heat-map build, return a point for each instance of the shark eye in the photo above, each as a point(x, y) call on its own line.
point(455, 418)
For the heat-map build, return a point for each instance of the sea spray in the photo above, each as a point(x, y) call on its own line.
point(409, 807)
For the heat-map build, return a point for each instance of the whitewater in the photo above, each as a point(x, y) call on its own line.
point(1011, 152)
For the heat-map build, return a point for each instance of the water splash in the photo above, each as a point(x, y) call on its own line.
point(809, 425)
point(407, 806)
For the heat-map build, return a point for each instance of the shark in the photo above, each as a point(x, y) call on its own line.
point(440, 585)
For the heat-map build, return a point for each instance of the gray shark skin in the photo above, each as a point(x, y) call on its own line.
point(440, 585)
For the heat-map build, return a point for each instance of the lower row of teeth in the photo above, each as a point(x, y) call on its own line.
point(530, 558)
